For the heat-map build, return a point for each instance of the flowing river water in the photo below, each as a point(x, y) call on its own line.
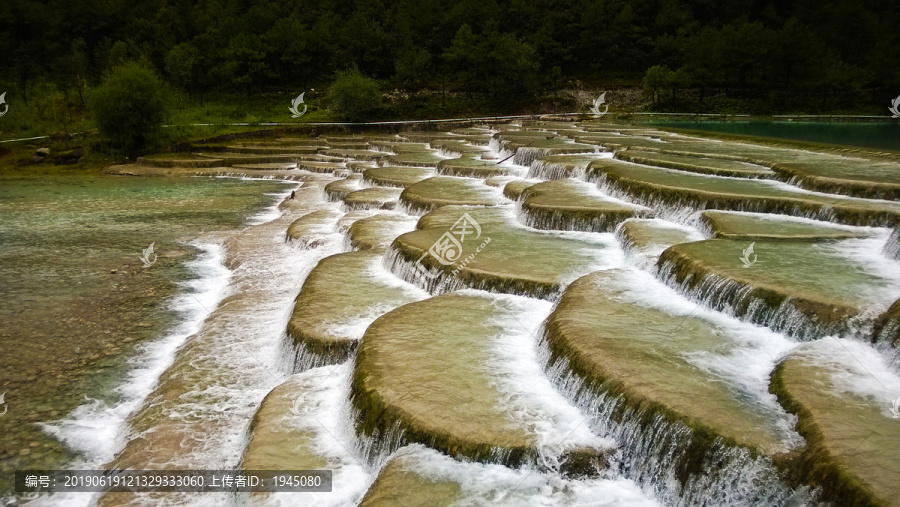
point(194, 368)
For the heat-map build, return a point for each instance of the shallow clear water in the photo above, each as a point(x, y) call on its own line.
point(77, 299)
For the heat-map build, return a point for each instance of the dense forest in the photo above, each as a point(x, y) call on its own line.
point(500, 49)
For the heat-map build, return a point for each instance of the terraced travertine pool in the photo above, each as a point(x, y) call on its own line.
point(541, 313)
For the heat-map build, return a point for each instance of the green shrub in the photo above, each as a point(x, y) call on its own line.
point(129, 107)
point(354, 95)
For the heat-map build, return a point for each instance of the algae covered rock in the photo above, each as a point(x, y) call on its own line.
point(842, 393)
point(379, 231)
point(310, 229)
point(499, 255)
point(341, 295)
point(337, 190)
point(444, 191)
point(554, 167)
point(659, 187)
point(417, 476)
point(779, 283)
point(391, 176)
point(697, 164)
point(472, 167)
point(372, 198)
point(457, 386)
point(753, 226)
point(572, 205)
point(892, 247)
point(513, 189)
point(887, 327)
point(644, 240)
point(298, 427)
point(430, 383)
point(682, 425)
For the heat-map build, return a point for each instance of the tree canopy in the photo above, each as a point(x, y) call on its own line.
point(497, 48)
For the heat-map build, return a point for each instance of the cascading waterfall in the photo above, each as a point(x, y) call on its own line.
point(665, 455)
point(892, 247)
point(737, 299)
point(650, 447)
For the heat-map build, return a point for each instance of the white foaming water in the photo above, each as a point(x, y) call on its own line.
point(646, 256)
point(273, 212)
point(492, 485)
point(525, 391)
point(775, 218)
point(98, 430)
point(866, 254)
point(382, 275)
point(856, 368)
point(233, 344)
point(322, 409)
point(748, 354)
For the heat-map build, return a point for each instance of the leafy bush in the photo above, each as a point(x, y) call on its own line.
point(129, 107)
point(354, 95)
